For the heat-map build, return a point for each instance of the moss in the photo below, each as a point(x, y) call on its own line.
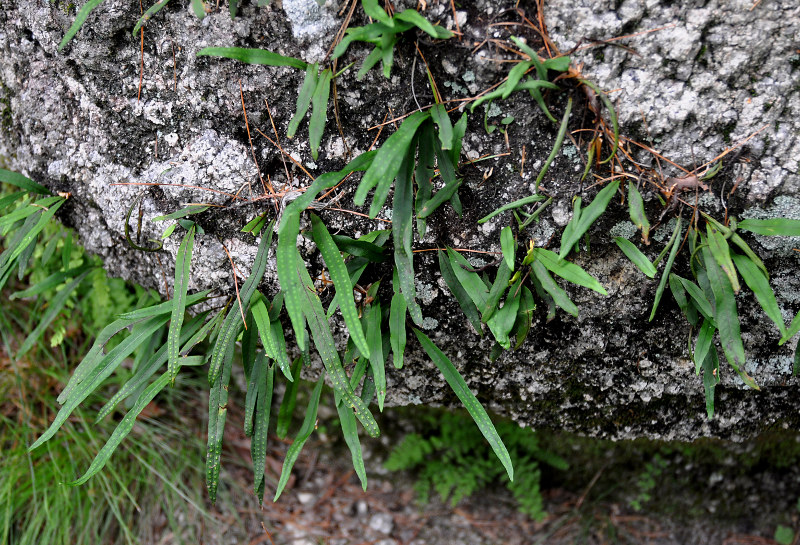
point(6, 116)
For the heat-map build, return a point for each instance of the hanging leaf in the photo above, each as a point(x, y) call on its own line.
point(710, 380)
point(402, 233)
point(636, 256)
point(458, 291)
point(722, 254)
point(258, 444)
point(347, 421)
point(679, 293)
point(674, 244)
point(397, 323)
point(375, 354)
point(473, 406)
point(757, 282)
point(508, 246)
point(705, 338)
point(772, 227)
point(499, 287)
point(502, 323)
point(182, 268)
point(549, 285)
point(289, 400)
point(587, 217)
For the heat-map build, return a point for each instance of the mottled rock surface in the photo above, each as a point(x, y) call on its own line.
point(708, 76)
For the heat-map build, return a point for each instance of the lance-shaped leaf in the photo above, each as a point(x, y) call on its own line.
point(442, 120)
point(126, 424)
point(502, 323)
point(568, 271)
point(347, 421)
point(722, 254)
point(704, 343)
point(388, 159)
point(217, 413)
point(499, 287)
point(258, 369)
point(772, 227)
point(412, 16)
point(470, 281)
point(524, 316)
point(698, 298)
point(636, 256)
point(258, 444)
point(303, 99)
point(222, 352)
point(23, 182)
point(637, 213)
point(372, 9)
point(458, 291)
point(182, 267)
point(511, 206)
point(794, 327)
point(253, 56)
point(80, 18)
point(319, 111)
point(549, 285)
point(99, 372)
point(727, 317)
point(508, 245)
point(679, 293)
point(360, 248)
point(289, 401)
point(562, 131)
point(462, 391)
point(152, 10)
point(587, 217)
point(710, 379)
point(376, 355)
point(268, 332)
point(674, 242)
point(309, 424)
point(341, 281)
point(757, 282)
point(402, 233)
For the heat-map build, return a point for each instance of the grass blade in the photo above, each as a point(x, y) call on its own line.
point(727, 317)
point(389, 158)
point(568, 271)
point(222, 352)
point(549, 285)
point(22, 182)
point(458, 291)
point(341, 281)
point(309, 423)
point(80, 18)
point(562, 132)
point(161, 308)
point(508, 245)
point(722, 254)
point(512, 205)
point(757, 282)
point(258, 444)
point(402, 233)
point(772, 227)
point(182, 268)
point(675, 242)
point(152, 10)
point(55, 279)
point(319, 111)
point(55, 306)
point(253, 56)
point(462, 391)
point(587, 217)
point(303, 99)
point(636, 256)
point(637, 213)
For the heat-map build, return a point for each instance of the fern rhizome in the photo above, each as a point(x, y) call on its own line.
point(419, 166)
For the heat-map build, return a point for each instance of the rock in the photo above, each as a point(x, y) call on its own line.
point(382, 522)
point(708, 75)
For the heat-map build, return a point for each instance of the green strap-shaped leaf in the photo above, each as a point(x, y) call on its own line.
point(568, 271)
point(675, 244)
point(462, 391)
point(267, 330)
point(23, 182)
point(736, 239)
point(402, 233)
point(413, 17)
point(233, 321)
point(183, 212)
point(24, 211)
point(52, 281)
point(372, 9)
point(217, 413)
point(256, 374)
point(442, 120)
point(347, 421)
point(323, 340)
point(459, 130)
point(549, 285)
point(7, 258)
point(512, 205)
point(569, 230)
point(470, 281)
point(126, 424)
point(303, 99)
point(587, 217)
point(80, 18)
point(355, 275)
point(772, 227)
point(508, 245)
point(757, 282)
point(637, 213)
point(309, 423)
point(289, 400)
point(562, 132)
point(389, 158)
point(319, 111)
point(397, 327)
point(253, 56)
point(152, 10)
point(722, 254)
point(502, 322)
point(794, 327)
point(636, 256)
point(499, 287)
point(699, 298)
point(55, 305)
point(442, 196)
point(199, 9)
point(710, 379)
point(359, 248)
point(99, 373)
point(524, 316)
point(376, 356)
point(679, 293)
point(182, 268)
point(341, 281)
point(727, 317)
point(705, 338)
point(458, 291)
point(191, 332)
point(234, 8)
point(161, 308)
point(258, 444)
